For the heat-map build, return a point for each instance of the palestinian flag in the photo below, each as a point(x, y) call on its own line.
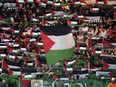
point(58, 43)
point(64, 77)
point(3, 46)
point(12, 67)
point(82, 47)
point(106, 43)
point(109, 63)
point(80, 74)
point(94, 9)
point(72, 23)
point(102, 72)
point(68, 63)
point(5, 28)
point(92, 68)
point(24, 83)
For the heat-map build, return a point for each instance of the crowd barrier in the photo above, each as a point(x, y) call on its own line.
point(49, 83)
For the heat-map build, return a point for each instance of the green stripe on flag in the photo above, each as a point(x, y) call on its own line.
point(53, 56)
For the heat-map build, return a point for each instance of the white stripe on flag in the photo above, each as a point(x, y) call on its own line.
point(12, 57)
point(30, 64)
point(112, 66)
point(31, 40)
point(43, 4)
point(73, 22)
point(23, 49)
point(30, 1)
point(98, 52)
point(80, 16)
point(69, 69)
point(82, 48)
point(57, 13)
point(49, 14)
point(34, 19)
point(35, 34)
point(49, 2)
point(14, 51)
point(71, 62)
point(62, 42)
point(15, 45)
point(95, 9)
point(16, 73)
point(77, 2)
point(40, 44)
point(6, 40)
point(20, 1)
point(3, 55)
point(3, 46)
point(15, 67)
point(57, 4)
point(64, 78)
point(0, 69)
point(6, 28)
point(28, 76)
point(16, 31)
point(100, 2)
point(102, 73)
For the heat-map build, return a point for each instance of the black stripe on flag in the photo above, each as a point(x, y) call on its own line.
point(55, 30)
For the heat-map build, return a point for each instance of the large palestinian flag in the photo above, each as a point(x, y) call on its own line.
point(109, 64)
point(58, 43)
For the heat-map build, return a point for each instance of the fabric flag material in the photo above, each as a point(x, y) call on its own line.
point(58, 43)
point(81, 74)
point(64, 77)
point(68, 69)
point(29, 1)
point(25, 82)
point(20, 1)
point(13, 69)
point(68, 63)
point(106, 43)
point(109, 63)
point(102, 72)
point(37, 62)
point(91, 67)
point(105, 65)
point(72, 23)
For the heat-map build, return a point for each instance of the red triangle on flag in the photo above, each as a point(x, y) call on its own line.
point(47, 42)
point(9, 50)
point(55, 77)
point(105, 65)
point(91, 66)
point(111, 74)
point(25, 82)
point(68, 22)
point(105, 2)
point(10, 72)
point(38, 62)
point(1, 18)
point(21, 76)
point(106, 43)
point(4, 65)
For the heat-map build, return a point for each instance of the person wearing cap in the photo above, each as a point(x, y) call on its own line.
point(112, 83)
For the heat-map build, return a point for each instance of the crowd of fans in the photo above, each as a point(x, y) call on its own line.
point(21, 41)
